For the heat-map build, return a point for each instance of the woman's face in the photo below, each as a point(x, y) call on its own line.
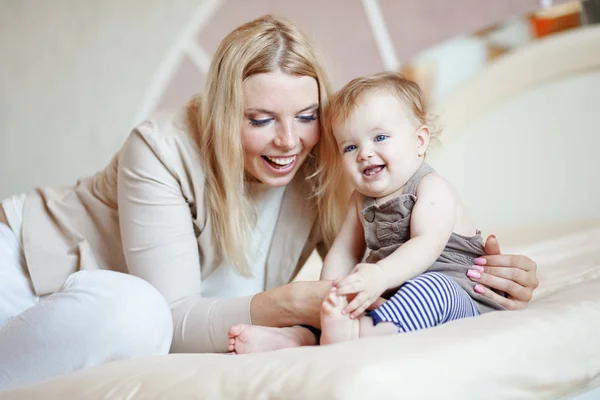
point(280, 125)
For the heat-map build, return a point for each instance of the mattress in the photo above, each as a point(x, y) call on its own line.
point(547, 351)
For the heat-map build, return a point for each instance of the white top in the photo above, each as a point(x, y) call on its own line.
point(13, 208)
point(225, 281)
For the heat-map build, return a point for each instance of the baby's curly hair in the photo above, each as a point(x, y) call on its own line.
point(407, 91)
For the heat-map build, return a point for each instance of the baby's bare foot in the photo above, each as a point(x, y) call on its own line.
point(337, 327)
point(245, 339)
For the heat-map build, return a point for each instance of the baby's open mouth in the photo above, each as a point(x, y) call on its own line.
point(373, 170)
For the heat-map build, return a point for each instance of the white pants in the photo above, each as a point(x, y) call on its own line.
point(97, 316)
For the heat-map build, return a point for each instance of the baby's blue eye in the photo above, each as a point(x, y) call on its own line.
point(349, 148)
point(380, 138)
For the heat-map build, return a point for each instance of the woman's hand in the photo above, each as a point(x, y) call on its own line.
point(297, 303)
point(513, 274)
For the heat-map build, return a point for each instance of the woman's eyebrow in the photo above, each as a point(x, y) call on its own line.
point(259, 111)
point(312, 107)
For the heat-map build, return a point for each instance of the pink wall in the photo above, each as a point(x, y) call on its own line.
point(341, 30)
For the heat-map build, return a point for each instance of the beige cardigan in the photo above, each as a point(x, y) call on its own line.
point(145, 214)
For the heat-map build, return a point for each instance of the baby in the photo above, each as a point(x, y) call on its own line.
point(420, 239)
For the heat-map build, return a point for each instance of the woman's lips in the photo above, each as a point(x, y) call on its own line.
point(280, 165)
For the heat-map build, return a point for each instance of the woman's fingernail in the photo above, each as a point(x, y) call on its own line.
point(478, 289)
point(473, 274)
point(478, 268)
point(480, 261)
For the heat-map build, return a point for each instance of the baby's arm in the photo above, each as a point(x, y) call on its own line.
point(432, 222)
point(349, 245)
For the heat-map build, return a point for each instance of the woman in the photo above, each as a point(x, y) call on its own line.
point(214, 207)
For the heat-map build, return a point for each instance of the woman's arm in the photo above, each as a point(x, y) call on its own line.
point(158, 237)
point(297, 303)
point(160, 246)
point(514, 274)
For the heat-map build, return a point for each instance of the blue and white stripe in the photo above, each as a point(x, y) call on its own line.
point(428, 300)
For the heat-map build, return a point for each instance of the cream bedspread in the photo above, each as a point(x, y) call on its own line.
point(549, 350)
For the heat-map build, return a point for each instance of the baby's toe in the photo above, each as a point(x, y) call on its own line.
point(235, 330)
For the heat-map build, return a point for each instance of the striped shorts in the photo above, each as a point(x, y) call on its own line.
point(429, 300)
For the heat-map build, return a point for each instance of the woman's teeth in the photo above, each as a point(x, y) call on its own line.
point(281, 162)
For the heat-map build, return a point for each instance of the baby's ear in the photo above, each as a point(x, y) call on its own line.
point(422, 137)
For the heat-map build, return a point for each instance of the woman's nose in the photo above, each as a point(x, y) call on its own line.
point(286, 138)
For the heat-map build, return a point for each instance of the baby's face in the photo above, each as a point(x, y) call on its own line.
point(381, 144)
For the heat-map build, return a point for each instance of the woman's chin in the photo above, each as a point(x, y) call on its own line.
point(276, 181)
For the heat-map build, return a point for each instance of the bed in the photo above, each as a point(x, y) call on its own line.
point(520, 144)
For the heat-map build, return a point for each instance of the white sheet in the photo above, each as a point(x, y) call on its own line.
point(548, 351)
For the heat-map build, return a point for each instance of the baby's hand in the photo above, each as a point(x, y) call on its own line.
point(368, 281)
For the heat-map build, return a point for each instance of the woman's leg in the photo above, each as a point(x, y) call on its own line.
point(97, 316)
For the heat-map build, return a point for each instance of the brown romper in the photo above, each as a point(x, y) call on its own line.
point(444, 292)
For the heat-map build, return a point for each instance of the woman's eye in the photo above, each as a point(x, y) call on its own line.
point(308, 118)
point(350, 148)
point(259, 122)
point(380, 138)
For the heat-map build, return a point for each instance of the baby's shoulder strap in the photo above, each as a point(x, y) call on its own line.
point(413, 182)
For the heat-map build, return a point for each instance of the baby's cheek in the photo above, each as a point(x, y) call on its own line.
point(348, 166)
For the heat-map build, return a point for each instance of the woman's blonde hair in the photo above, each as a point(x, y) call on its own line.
point(341, 105)
point(261, 46)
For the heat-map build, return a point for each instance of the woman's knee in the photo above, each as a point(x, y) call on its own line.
point(129, 312)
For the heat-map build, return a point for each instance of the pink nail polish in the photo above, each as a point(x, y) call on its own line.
point(478, 268)
point(473, 274)
point(478, 289)
point(480, 261)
